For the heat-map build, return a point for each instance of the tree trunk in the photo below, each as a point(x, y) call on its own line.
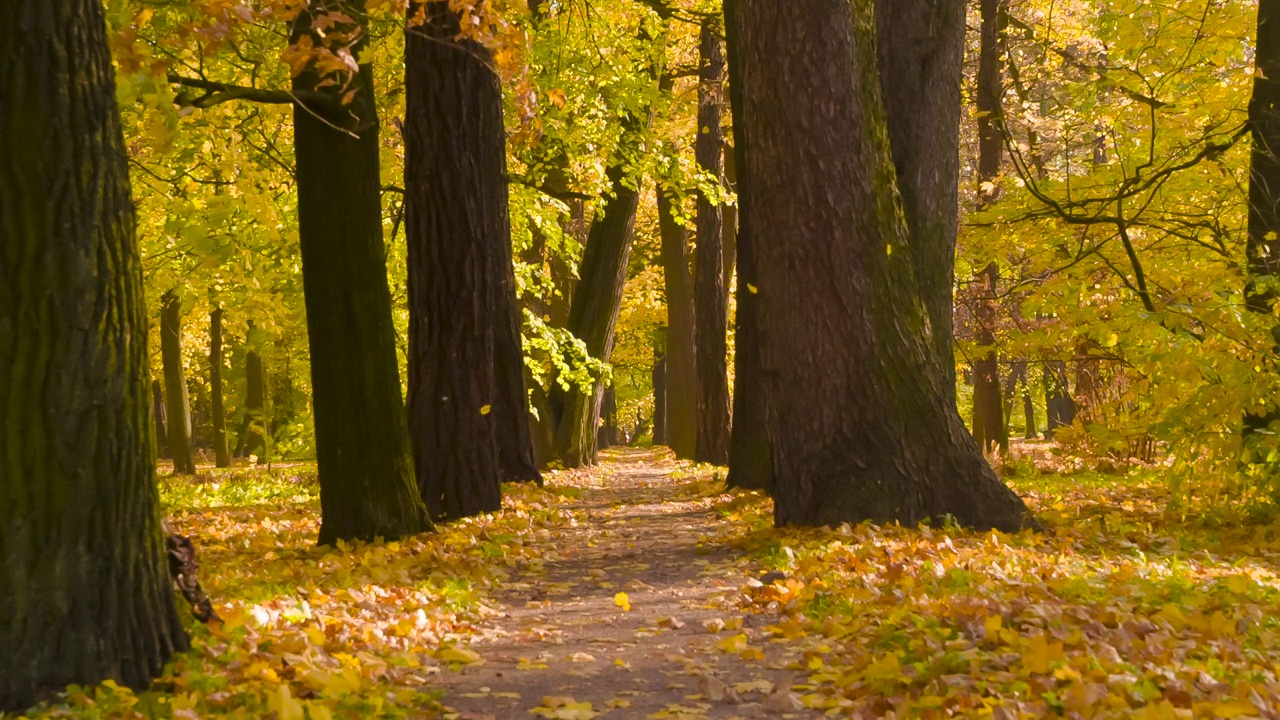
point(253, 431)
point(467, 404)
point(159, 413)
point(709, 297)
point(85, 594)
point(989, 429)
point(921, 92)
point(1263, 243)
point(608, 434)
point(1060, 408)
point(730, 233)
point(593, 314)
point(861, 422)
point(175, 384)
point(749, 465)
point(222, 457)
point(367, 487)
point(660, 401)
point(681, 424)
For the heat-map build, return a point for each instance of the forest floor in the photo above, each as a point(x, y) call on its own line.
point(643, 589)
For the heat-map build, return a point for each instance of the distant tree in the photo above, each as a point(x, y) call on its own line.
point(680, 428)
point(367, 485)
point(467, 404)
point(175, 384)
point(84, 590)
point(861, 420)
point(221, 455)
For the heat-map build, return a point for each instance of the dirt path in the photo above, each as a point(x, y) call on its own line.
point(560, 637)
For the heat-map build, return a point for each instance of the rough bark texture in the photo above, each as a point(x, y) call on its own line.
point(921, 51)
point(175, 384)
point(660, 401)
point(988, 425)
point(158, 411)
point(84, 590)
point(681, 428)
point(221, 455)
point(709, 299)
point(1262, 247)
point(861, 422)
point(467, 405)
point(593, 314)
point(367, 486)
point(749, 464)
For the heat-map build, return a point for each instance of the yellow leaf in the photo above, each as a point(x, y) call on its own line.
point(622, 601)
point(733, 643)
point(886, 668)
point(464, 656)
point(752, 289)
point(486, 409)
point(284, 705)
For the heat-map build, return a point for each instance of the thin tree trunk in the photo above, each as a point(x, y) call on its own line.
point(467, 400)
point(660, 401)
point(608, 434)
point(750, 467)
point(860, 418)
point(681, 425)
point(222, 457)
point(253, 430)
point(921, 92)
point(1263, 242)
point(730, 213)
point(85, 594)
point(175, 382)
point(1060, 408)
point(159, 413)
point(367, 484)
point(709, 298)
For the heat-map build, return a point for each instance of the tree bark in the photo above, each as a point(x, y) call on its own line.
point(660, 400)
point(367, 484)
point(681, 375)
point(222, 457)
point(175, 384)
point(1060, 408)
point(709, 298)
point(730, 231)
point(158, 412)
point(593, 314)
point(921, 92)
point(989, 428)
point(1262, 246)
point(467, 404)
point(861, 422)
point(750, 467)
point(84, 589)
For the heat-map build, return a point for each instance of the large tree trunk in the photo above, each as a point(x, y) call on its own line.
point(681, 425)
point(1263, 244)
point(175, 384)
point(749, 465)
point(989, 428)
point(222, 457)
point(367, 486)
point(466, 385)
point(660, 401)
point(921, 91)
point(159, 413)
point(84, 590)
point(860, 419)
point(709, 298)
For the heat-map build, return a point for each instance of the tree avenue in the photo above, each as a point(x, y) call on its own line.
point(386, 330)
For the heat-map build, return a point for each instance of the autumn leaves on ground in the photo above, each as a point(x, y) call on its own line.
point(642, 589)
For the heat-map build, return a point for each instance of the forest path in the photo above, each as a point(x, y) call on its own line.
point(562, 646)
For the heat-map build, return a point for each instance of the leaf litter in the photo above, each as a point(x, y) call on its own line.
point(641, 589)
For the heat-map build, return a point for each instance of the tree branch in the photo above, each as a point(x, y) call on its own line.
point(216, 93)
